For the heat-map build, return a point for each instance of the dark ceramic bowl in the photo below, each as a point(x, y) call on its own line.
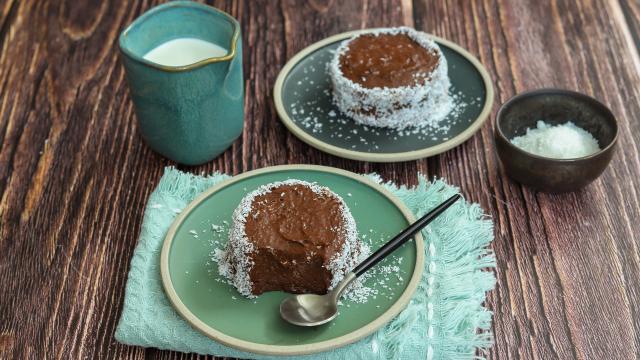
point(554, 106)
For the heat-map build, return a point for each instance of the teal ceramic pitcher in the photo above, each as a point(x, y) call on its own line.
point(190, 113)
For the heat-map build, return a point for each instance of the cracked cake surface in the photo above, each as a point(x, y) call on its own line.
point(394, 77)
point(291, 236)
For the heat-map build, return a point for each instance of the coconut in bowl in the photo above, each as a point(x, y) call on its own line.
point(545, 139)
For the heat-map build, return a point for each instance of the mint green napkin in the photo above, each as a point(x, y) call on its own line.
point(445, 319)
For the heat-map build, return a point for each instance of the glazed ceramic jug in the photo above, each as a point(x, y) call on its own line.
point(189, 113)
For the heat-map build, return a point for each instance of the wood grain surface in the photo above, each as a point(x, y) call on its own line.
point(75, 174)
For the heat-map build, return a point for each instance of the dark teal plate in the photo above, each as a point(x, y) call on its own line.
point(302, 95)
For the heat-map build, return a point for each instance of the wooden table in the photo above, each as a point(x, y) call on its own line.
point(75, 174)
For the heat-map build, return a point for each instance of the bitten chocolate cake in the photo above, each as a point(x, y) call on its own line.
point(393, 78)
point(292, 236)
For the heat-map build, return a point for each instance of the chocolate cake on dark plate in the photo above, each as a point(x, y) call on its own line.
point(291, 236)
point(394, 78)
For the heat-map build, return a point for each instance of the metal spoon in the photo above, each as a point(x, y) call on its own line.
point(314, 310)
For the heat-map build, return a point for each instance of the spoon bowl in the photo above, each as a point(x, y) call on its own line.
point(312, 309)
point(309, 309)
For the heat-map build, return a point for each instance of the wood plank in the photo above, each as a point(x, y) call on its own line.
point(71, 181)
point(75, 175)
point(629, 15)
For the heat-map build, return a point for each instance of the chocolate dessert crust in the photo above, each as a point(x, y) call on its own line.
point(387, 60)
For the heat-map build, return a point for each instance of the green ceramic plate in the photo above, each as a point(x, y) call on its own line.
point(302, 95)
point(215, 308)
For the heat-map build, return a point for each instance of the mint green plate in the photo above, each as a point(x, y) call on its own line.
point(303, 99)
point(215, 308)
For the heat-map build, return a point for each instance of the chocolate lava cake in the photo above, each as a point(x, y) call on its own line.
point(395, 77)
point(290, 236)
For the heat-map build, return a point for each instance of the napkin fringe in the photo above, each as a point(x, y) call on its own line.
point(185, 185)
point(457, 317)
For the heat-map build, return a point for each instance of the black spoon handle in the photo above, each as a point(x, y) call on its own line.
point(403, 237)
